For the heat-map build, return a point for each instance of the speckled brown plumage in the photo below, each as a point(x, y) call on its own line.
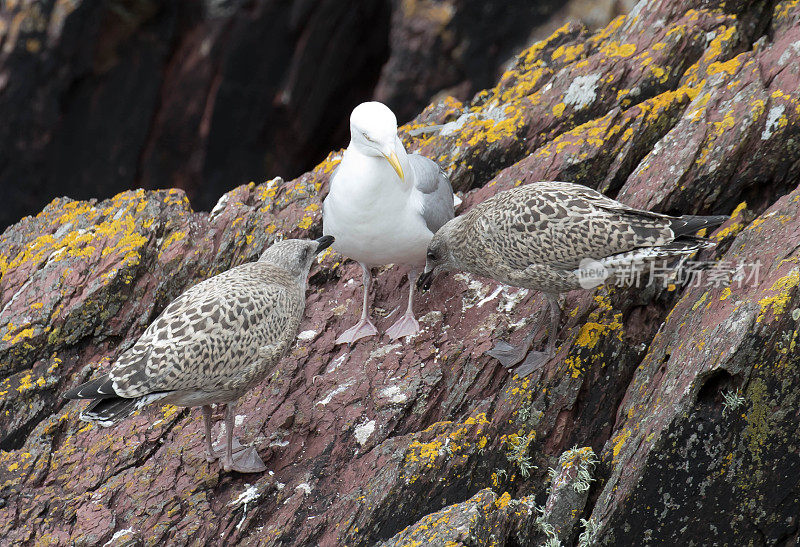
point(536, 236)
point(212, 343)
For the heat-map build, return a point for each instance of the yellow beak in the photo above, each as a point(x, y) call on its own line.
point(395, 163)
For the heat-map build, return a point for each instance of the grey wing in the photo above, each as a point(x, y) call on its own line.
point(434, 191)
point(206, 339)
point(560, 224)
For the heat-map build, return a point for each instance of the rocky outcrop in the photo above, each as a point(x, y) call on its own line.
point(99, 97)
point(686, 390)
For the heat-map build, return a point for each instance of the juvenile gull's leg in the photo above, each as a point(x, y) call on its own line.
point(406, 325)
point(245, 460)
point(536, 359)
point(211, 454)
point(364, 327)
point(509, 355)
point(215, 452)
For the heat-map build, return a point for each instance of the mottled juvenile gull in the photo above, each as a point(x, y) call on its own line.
point(383, 207)
point(211, 344)
point(546, 236)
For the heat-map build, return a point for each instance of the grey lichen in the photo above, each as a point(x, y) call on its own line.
point(518, 453)
point(547, 528)
point(584, 459)
point(731, 400)
point(590, 529)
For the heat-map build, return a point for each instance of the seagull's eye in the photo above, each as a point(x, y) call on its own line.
point(431, 255)
point(368, 137)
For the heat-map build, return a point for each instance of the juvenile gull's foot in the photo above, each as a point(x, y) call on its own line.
point(534, 361)
point(405, 326)
point(507, 354)
point(219, 450)
point(244, 461)
point(362, 329)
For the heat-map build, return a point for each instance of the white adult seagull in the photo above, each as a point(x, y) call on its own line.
point(383, 207)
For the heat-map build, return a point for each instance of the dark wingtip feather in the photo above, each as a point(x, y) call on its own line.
point(99, 388)
point(689, 224)
point(109, 411)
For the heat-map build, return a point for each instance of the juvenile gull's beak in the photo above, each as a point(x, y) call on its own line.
point(424, 281)
point(323, 243)
point(395, 163)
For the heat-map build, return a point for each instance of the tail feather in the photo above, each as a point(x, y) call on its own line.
point(108, 411)
point(689, 224)
point(99, 388)
point(687, 244)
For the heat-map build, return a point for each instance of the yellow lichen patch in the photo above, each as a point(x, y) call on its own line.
point(700, 302)
point(524, 84)
point(660, 74)
point(779, 301)
point(568, 52)
point(728, 67)
point(591, 332)
point(521, 387)
point(479, 419)
point(738, 223)
point(619, 441)
point(169, 411)
point(24, 334)
point(330, 163)
point(726, 292)
point(175, 236)
point(698, 107)
point(531, 55)
point(783, 9)
point(305, 223)
point(324, 254)
point(725, 123)
point(25, 383)
point(574, 364)
point(37, 305)
point(267, 191)
point(424, 453)
point(455, 440)
point(713, 52)
point(503, 501)
point(54, 366)
point(488, 130)
point(558, 109)
point(174, 197)
point(614, 49)
point(604, 33)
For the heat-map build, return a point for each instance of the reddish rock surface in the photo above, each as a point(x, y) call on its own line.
point(687, 394)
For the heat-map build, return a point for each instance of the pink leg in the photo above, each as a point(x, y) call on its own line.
point(364, 327)
point(509, 356)
point(245, 460)
point(215, 452)
point(211, 454)
point(406, 325)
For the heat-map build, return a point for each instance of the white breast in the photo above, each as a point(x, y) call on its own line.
point(369, 211)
